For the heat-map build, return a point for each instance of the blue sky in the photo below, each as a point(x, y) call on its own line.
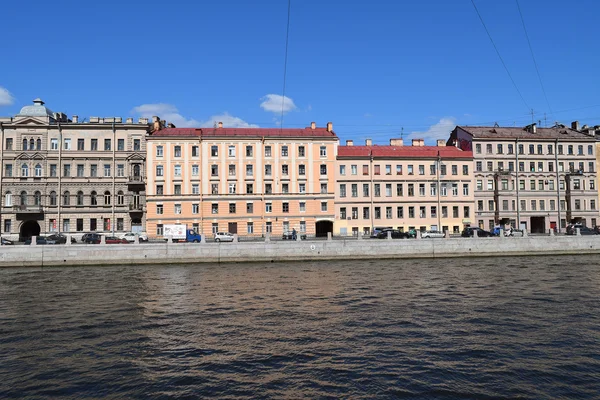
point(371, 67)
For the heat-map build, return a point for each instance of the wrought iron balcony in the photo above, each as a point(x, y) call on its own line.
point(136, 179)
point(27, 208)
point(136, 207)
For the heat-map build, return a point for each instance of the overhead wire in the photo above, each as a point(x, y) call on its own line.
point(499, 56)
point(533, 57)
point(287, 37)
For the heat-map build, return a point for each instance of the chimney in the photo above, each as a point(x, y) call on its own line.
point(441, 142)
point(575, 125)
point(141, 121)
point(75, 119)
point(368, 142)
point(396, 142)
point(418, 142)
point(220, 124)
point(533, 128)
point(129, 120)
point(313, 125)
point(349, 142)
point(329, 127)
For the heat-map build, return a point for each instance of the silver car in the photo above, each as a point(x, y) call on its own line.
point(223, 237)
point(432, 234)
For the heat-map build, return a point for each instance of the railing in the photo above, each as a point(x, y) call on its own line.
point(136, 207)
point(26, 208)
point(136, 179)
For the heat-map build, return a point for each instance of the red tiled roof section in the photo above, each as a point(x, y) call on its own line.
point(246, 132)
point(267, 132)
point(403, 152)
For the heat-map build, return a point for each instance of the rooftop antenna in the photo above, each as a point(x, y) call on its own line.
point(496, 125)
point(532, 113)
point(402, 133)
point(545, 120)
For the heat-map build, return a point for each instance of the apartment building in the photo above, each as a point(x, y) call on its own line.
point(65, 175)
point(403, 187)
point(249, 181)
point(535, 178)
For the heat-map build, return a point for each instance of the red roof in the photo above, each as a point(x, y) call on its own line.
point(403, 152)
point(246, 132)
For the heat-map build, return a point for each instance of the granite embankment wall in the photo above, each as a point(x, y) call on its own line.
point(153, 253)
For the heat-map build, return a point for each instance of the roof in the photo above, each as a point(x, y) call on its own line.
point(246, 132)
point(557, 132)
point(403, 152)
point(36, 110)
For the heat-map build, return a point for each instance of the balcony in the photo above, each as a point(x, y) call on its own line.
point(28, 209)
point(136, 180)
point(136, 208)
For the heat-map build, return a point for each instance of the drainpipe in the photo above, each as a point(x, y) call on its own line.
point(439, 206)
point(59, 173)
point(557, 185)
point(517, 184)
point(372, 189)
point(114, 173)
point(1, 173)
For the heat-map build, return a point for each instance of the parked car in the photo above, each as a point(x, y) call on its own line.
point(115, 240)
point(59, 238)
point(130, 236)
point(6, 242)
point(38, 240)
point(572, 229)
point(412, 233)
point(468, 232)
point(395, 233)
point(432, 234)
point(90, 238)
point(289, 235)
point(377, 230)
point(223, 237)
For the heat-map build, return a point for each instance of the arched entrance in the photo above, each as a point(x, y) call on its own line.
point(322, 227)
point(29, 229)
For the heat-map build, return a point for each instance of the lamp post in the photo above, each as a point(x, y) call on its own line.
point(568, 193)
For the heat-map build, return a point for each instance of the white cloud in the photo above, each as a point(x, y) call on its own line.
point(170, 113)
point(439, 130)
point(6, 99)
point(229, 121)
point(275, 103)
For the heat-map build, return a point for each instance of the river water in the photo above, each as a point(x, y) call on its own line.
point(457, 329)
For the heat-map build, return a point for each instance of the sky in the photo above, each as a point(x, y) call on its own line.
point(376, 69)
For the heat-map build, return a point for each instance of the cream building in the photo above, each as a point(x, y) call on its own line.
point(403, 187)
point(249, 181)
point(535, 178)
point(71, 176)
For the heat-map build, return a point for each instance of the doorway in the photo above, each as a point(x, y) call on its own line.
point(538, 224)
point(29, 229)
point(322, 227)
point(232, 228)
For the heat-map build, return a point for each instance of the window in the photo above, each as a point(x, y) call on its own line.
point(268, 188)
point(552, 205)
point(232, 208)
point(479, 184)
point(323, 151)
point(533, 204)
point(284, 151)
point(422, 212)
point(107, 198)
point(8, 170)
point(7, 225)
point(411, 212)
point(24, 170)
point(411, 189)
point(195, 188)
point(268, 170)
point(214, 188)
point(302, 188)
point(53, 198)
point(488, 148)
point(366, 213)
point(354, 213)
point(570, 149)
point(107, 145)
point(478, 148)
point(214, 208)
point(232, 187)
point(399, 189)
point(377, 190)
point(550, 185)
point(465, 170)
point(268, 207)
point(365, 169)
point(421, 170)
point(267, 151)
point(159, 170)
point(388, 190)
point(580, 150)
point(398, 169)
point(106, 170)
point(67, 145)
point(93, 198)
point(159, 189)
point(301, 151)
point(249, 208)
point(590, 150)
point(66, 198)
point(388, 213)
point(455, 189)
point(354, 190)
point(354, 169)
point(177, 189)
point(8, 199)
point(343, 190)
point(400, 212)
point(531, 149)
point(323, 169)
point(421, 189)
point(509, 149)
point(478, 166)
point(250, 227)
point(137, 145)
point(455, 170)
point(94, 144)
point(214, 151)
point(590, 166)
point(542, 205)
point(177, 151)
point(302, 206)
point(195, 170)
point(67, 170)
point(285, 188)
point(80, 144)
point(521, 149)
point(284, 170)
point(80, 170)
point(490, 166)
point(499, 149)
point(444, 189)
point(465, 189)
point(231, 169)
point(410, 170)
point(466, 211)
point(388, 169)
point(231, 151)
point(365, 190)
point(376, 170)
point(249, 188)
point(285, 207)
point(9, 144)
point(66, 225)
point(120, 144)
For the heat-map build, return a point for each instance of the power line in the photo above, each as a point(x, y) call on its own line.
point(499, 56)
point(533, 57)
point(287, 36)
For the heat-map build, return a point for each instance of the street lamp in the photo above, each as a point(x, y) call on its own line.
point(568, 192)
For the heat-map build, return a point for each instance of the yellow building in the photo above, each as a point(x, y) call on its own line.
point(403, 187)
point(249, 181)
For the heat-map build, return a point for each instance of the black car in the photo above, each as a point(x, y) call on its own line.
point(90, 238)
point(469, 232)
point(38, 240)
point(396, 234)
point(583, 230)
point(59, 238)
point(6, 242)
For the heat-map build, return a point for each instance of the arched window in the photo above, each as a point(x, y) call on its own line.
point(120, 198)
point(38, 170)
point(8, 199)
point(37, 198)
point(24, 170)
point(24, 144)
point(107, 198)
point(31, 144)
point(38, 144)
point(67, 198)
point(53, 198)
point(23, 198)
point(94, 198)
point(80, 198)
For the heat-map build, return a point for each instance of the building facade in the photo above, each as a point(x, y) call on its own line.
point(534, 178)
point(65, 175)
point(403, 187)
point(248, 181)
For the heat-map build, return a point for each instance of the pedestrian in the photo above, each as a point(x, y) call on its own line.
point(294, 234)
